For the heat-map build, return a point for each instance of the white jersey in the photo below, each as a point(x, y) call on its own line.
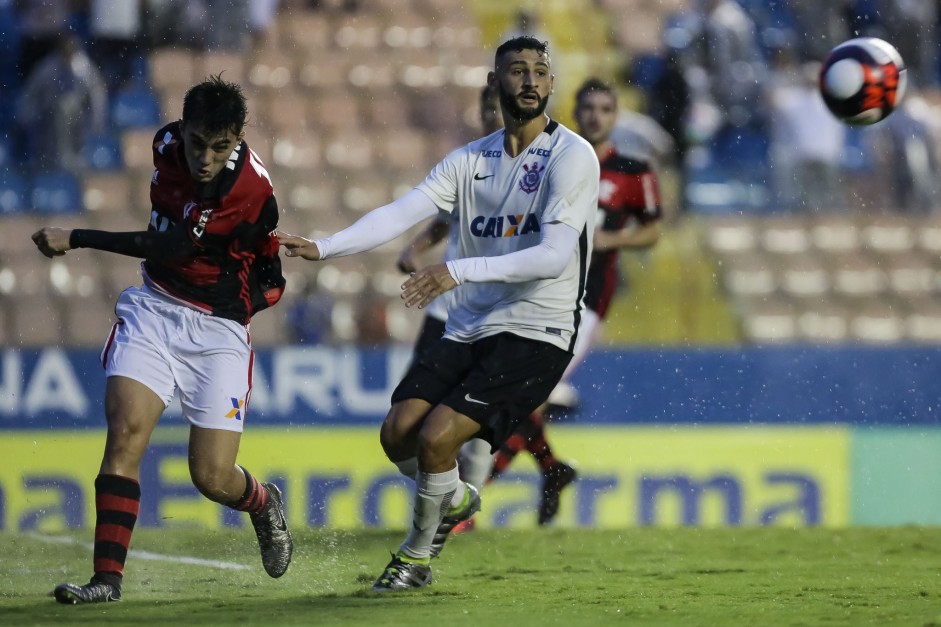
point(502, 203)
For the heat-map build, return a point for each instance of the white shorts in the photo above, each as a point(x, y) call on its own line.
point(168, 346)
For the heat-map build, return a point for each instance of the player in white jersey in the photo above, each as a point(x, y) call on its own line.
point(526, 199)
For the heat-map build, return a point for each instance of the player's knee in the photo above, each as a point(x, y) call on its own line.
point(391, 440)
point(212, 480)
point(438, 448)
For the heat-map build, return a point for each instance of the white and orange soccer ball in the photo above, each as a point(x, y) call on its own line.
point(862, 80)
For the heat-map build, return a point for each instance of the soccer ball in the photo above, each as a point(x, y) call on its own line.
point(862, 80)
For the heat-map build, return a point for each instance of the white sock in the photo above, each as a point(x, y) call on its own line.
point(408, 467)
point(432, 501)
point(476, 462)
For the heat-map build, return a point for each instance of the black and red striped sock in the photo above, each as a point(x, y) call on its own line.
point(117, 503)
point(255, 497)
point(505, 455)
point(537, 444)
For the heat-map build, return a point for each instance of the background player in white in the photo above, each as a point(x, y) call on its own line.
point(210, 263)
point(526, 200)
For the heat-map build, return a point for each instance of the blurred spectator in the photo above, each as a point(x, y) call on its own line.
point(910, 26)
point(115, 39)
point(226, 25)
point(668, 103)
point(821, 26)
point(261, 16)
point(806, 143)
point(733, 61)
point(905, 148)
point(41, 22)
point(175, 23)
point(308, 318)
point(527, 23)
point(64, 101)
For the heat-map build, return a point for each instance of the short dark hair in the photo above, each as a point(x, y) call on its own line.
point(215, 106)
point(593, 85)
point(523, 42)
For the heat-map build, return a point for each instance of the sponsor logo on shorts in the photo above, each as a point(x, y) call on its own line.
point(236, 411)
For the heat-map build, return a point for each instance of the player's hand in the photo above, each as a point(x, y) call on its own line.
point(52, 241)
point(297, 246)
point(426, 285)
point(407, 261)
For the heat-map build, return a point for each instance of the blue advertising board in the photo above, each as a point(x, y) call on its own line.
point(348, 386)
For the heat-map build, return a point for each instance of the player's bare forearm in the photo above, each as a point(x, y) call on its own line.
point(429, 236)
point(426, 285)
point(630, 238)
point(52, 241)
point(297, 246)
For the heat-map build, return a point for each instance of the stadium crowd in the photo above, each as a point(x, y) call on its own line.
point(347, 99)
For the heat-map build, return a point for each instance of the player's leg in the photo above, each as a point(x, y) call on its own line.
point(564, 395)
point(132, 412)
point(139, 387)
point(435, 372)
point(213, 368)
point(475, 463)
point(439, 489)
point(212, 457)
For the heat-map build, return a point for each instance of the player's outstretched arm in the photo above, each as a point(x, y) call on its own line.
point(374, 229)
point(297, 246)
point(170, 244)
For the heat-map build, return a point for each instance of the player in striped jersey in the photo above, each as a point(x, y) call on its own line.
point(210, 262)
point(526, 198)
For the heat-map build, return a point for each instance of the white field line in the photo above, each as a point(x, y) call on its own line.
point(144, 555)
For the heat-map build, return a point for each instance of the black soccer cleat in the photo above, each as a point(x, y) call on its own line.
point(274, 537)
point(92, 592)
point(450, 521)
point(554, 481)
point(402, 573)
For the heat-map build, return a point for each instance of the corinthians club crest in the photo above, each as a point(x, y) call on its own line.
point(530, 181)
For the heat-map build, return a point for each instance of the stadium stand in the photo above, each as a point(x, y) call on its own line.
point(351, 107)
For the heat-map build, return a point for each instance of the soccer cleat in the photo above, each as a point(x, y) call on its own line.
point(451, 520)
point(274, 537)
point(403, 573)
point(91, 592)
point(554, 481)
point(464, 527)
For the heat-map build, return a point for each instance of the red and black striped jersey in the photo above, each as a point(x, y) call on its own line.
point(235, 270)
point(628, 191)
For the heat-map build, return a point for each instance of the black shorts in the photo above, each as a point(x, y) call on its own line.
point(496, 381)
point(431, 333)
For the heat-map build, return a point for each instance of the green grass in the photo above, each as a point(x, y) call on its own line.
point(543, 577)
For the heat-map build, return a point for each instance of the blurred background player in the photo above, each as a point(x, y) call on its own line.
point(210, 263)
point(629, 218)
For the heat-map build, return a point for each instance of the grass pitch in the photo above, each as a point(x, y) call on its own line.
point(538, 577)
